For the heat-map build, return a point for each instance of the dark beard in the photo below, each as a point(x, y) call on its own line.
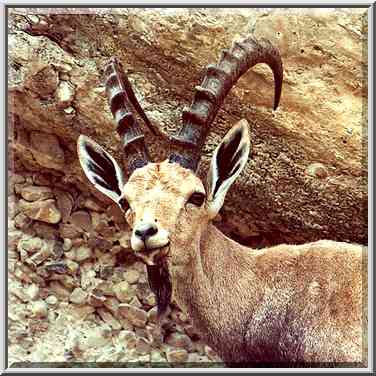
point(160, 284)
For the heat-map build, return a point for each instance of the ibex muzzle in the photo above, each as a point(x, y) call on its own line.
point(283, 304)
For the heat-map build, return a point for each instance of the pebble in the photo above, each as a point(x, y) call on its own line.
point(157, 357)
point(153, 315)
point(69, 231)
point(46, 150)
point(45, 211)
point(30, 245)
point(83, 253)
point(51, 300)
point(34, 193)
point(132, 276)
point(39, 309)
point(64, 94)
point(81, 219)
point(96, 299)
point(129, 338)
point(317, 170)
point(179, 340)
point(142, 346)
point(67, 244)
point(123, 291)
point(93, 204)
point(176, 355)
point(22, 221)
point(109, 319)
point(65, 203)
point(136, 316)
point(33, 291)
point(78, 296)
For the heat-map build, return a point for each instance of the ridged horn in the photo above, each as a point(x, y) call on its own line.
point(209, 96)
point(121, 98)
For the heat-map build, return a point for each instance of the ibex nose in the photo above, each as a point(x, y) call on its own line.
point(146, 230)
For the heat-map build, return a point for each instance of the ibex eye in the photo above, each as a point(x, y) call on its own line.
point(123, 203)
point(197, 198)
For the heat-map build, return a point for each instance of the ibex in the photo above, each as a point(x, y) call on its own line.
point(287, 304)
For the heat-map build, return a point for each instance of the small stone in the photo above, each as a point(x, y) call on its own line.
point(112, 304)
point(123, 291)
point(78, 296)
point(33, 292)
point(96, 299)
point(109, 319)
point(69, 110)
point(59, 267)
point(92, 204)
point(34, 193)
point(106, 288)
point(157, 357)
point(83, 253)
point(72, 266)
point(150, 300)
point(81, 219)
point(46, 150)
point(179, 316)
point(153, 315)
point(97, 338)
point(69, 231)
point(317, 170)
point(39, 257)
point(58, 289)
point(22, 221)
point(179, 340)
point(44, 211)
point(45, 230)
point(128, 338)
point(177, 355)
point(106, 271)
point(39, 309)
point(65, 203)
point(132, 276)
point(30, 245)
point(52, 300)
point(142, 346)
point(135, 302)
point(136, 316)
point(100, 243)
point(67, 244)
point(64, 94)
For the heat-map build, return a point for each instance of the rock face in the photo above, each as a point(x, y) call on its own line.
point(77, 293)
point(321, 118)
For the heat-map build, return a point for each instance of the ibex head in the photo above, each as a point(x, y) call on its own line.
point(165, 203)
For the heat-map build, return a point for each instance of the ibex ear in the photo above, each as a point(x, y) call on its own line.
point(227, 162)
point(100, 168)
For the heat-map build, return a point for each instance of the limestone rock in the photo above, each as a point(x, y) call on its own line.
point(319, 120)
point(34, 193)
point(177, 355)
point(46, 150)
point(45, 211)
point(123, 291)
point(64, 94)
point(136, 316)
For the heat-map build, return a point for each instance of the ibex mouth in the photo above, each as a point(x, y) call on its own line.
point(152, 256)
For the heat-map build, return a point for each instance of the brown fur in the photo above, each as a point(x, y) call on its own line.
point(289, 303)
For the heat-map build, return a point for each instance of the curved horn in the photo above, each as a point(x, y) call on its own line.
point(121, 98)
point(209, 96)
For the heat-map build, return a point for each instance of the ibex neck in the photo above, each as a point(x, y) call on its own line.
point(211, 287)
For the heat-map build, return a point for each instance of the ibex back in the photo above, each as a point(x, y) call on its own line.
point(285, 304)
